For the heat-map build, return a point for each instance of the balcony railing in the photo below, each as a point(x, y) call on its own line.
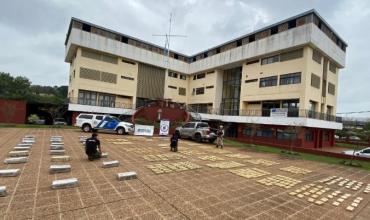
point(294, 113)
point(101, 103)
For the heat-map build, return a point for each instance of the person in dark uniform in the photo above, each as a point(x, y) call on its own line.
point(174, 141)
point(93, 148)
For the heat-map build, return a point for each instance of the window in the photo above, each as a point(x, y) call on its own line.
point(315, 81)
point(182, 91)
point(127, 78)
point(268, 60)
point(251, 80)
point(99, 56)
point(268, 81)
point(252, 62)
point(86, 27)
point(331, 88)
point(265, 132)
point(199, 91)
point(211, 72)
point(210, 87)
point(238, 43)
point(202, 125)
point(252, 38)
point(128, 62)
point(176, 56)
point(247, 131)
point(189, 125)
point(291, 55)
point(308, 135)
point(291, 78)
point(172, 74)
point(99, 117)
point(199, 76)
point(86, 116)
point(172, 87)
point(292, 24)
point(106, 100)
point(124, 39)
point(274, 30)
point(316, 56)
point(218, 50)
point(332, 67)
point(182, 76)
point(87, 97)
point(285, 135)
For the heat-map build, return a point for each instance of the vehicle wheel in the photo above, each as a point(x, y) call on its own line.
point(197, 137)
point(121, 131)
point(86, 128)
point(211, 140)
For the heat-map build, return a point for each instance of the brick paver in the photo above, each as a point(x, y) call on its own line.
point(184, 193)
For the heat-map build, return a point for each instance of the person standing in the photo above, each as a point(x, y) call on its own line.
point(220, 137)
point(93, 148)
point(174, 141)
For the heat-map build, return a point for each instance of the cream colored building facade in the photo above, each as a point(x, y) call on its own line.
point(293, 64)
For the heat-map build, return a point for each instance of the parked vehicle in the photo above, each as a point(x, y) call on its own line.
point(60, 121)
point(198, 131)
point(360, 153)
point(87, 122)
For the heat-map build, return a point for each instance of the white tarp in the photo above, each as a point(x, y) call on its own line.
point(164, 127)
point(144, 130)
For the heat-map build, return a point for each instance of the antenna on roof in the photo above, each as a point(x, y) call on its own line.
point(168, 40)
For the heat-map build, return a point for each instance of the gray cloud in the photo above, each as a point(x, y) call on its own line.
point(32, 33)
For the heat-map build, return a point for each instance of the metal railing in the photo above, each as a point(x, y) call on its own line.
point(294, 113)
point(101, 103)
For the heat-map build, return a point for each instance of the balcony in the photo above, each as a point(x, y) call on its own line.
point(100, 106)
point(292, 113)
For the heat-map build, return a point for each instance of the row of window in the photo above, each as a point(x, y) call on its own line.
point(316, 81)
point(286, 79)
point(96, 98)
point(285, 56)
point(281, 134)
point(309, 18)
point(175, 75)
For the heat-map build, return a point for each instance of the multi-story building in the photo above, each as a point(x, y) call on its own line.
point(262, 84)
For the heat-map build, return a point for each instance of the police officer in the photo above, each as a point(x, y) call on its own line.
point(220, 137)
point(92, 147)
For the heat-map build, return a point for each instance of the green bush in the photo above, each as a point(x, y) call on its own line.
point(32, 119)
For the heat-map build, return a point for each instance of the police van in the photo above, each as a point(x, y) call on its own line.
point(87, 122)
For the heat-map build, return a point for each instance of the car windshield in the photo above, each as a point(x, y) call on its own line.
point(115, 118)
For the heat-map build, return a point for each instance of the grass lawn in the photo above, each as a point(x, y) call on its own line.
point(305, 156)
point(351, 146)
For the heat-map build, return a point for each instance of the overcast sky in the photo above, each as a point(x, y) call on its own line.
point(32, 32)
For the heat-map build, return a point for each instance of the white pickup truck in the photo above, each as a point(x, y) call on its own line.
point(87, 122)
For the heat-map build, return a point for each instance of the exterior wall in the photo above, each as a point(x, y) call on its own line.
point(13, 111)
point(173, 94)
point(123, 87)
point(315, 94)
point(252, 92)
point(300, 142)
point(209, 94)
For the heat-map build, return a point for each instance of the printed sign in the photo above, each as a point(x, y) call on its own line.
point(164, 127)
point(279, 112)
point(144, 130)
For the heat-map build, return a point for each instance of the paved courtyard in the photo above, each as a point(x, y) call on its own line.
point(198, 182)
